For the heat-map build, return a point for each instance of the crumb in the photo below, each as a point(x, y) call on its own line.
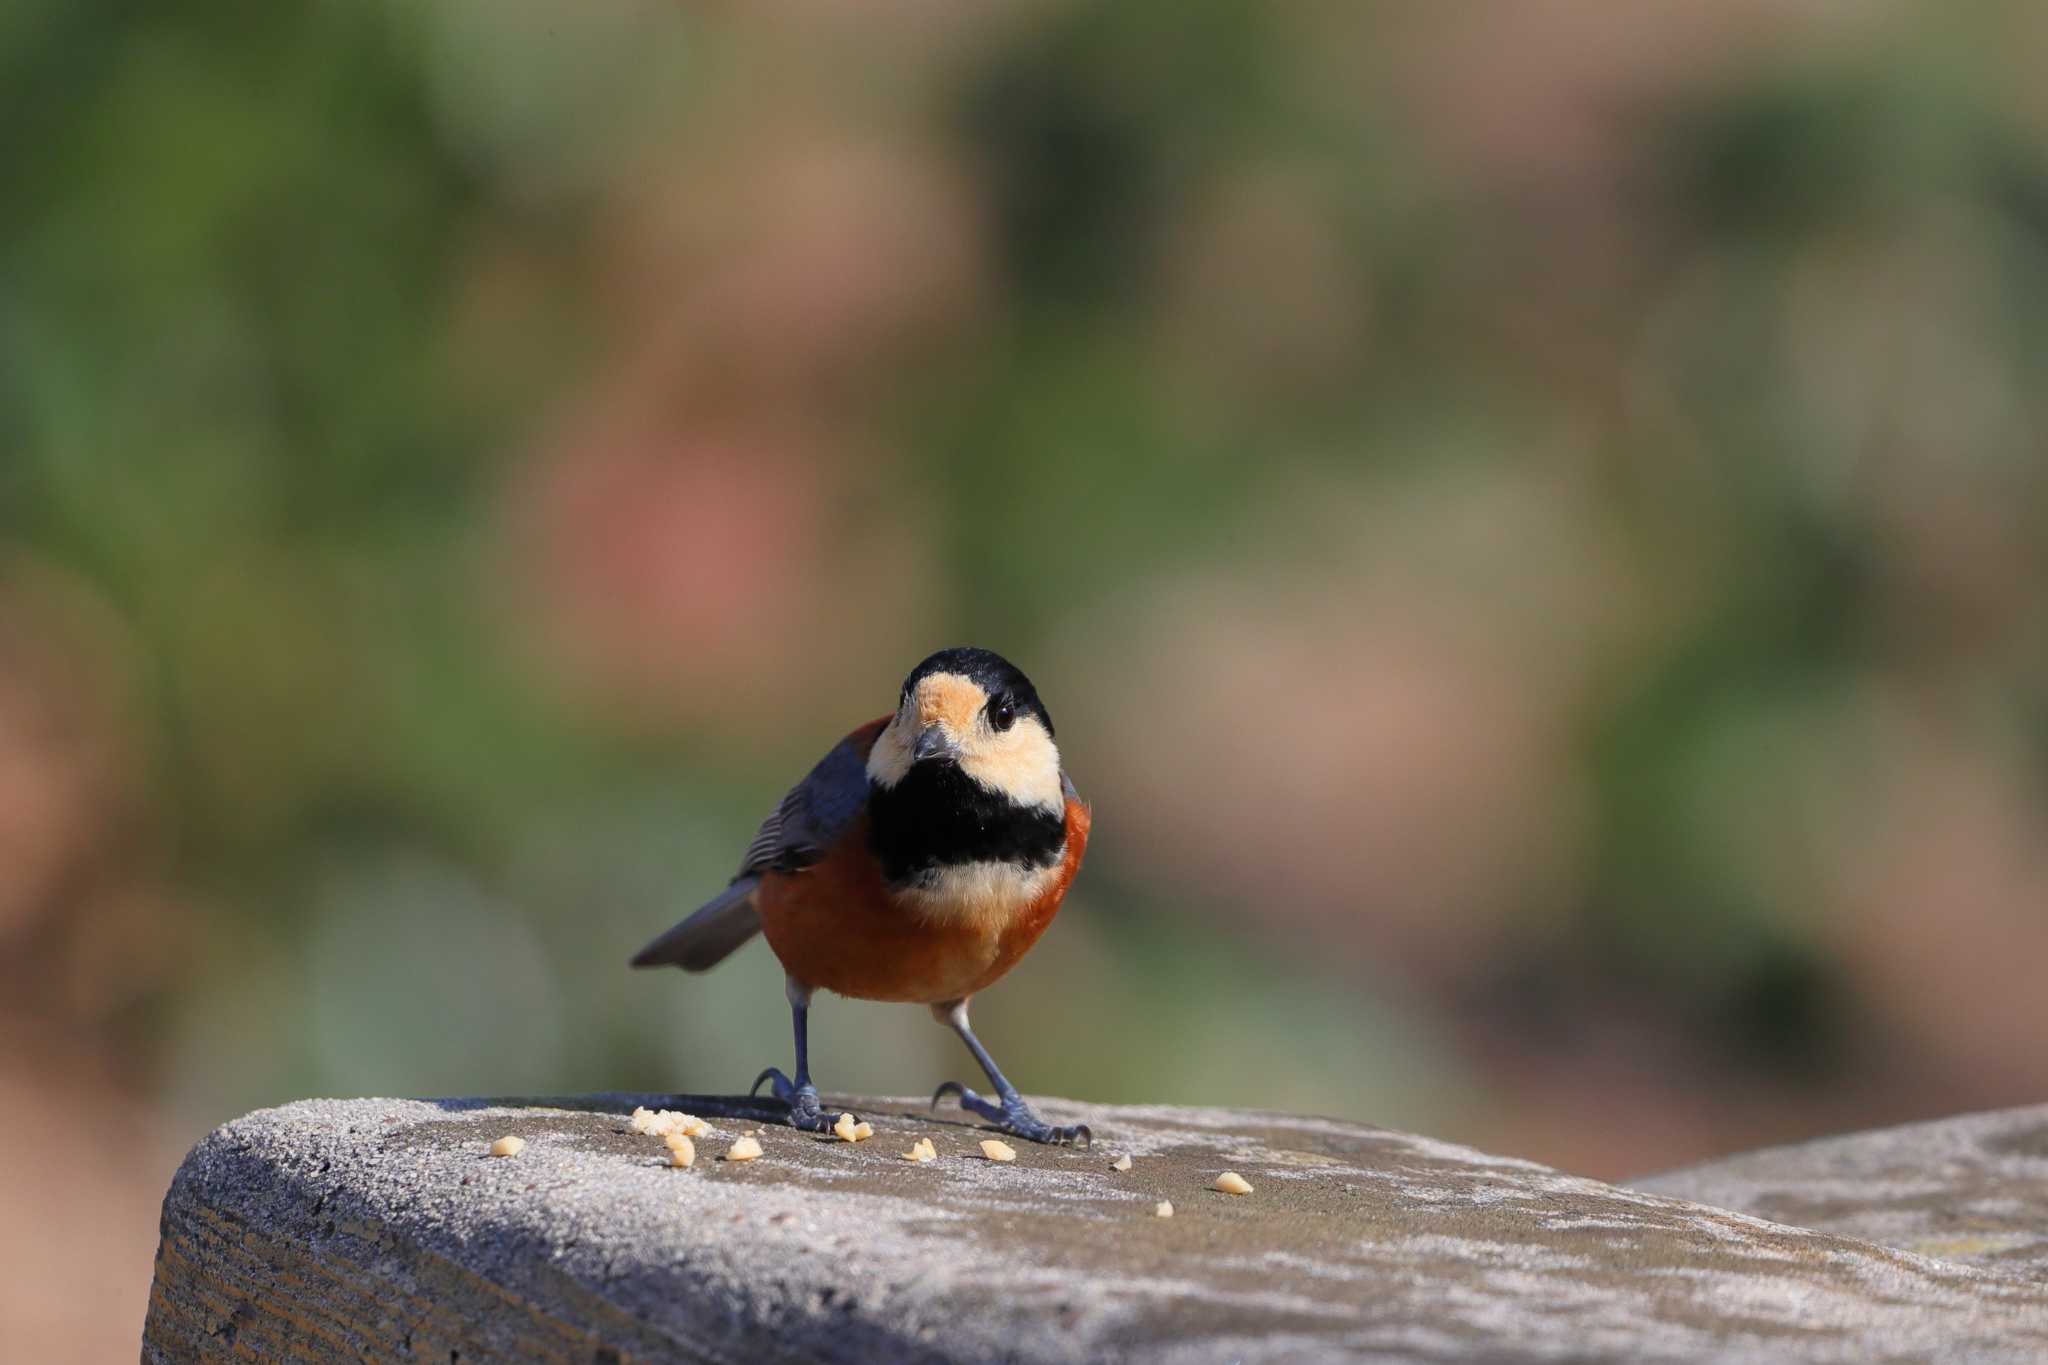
point(998, 1151)
point(1230, 1182)
point(508, 1146)
point(1163, 1209)
point(863, 1130)
point(682, 1153)
point(922, 1151)
point(743, 1149)
point(1122, 1163)
point(660, 1123)
point(850, 1131)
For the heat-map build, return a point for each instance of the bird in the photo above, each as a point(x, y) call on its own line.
point(916, 863)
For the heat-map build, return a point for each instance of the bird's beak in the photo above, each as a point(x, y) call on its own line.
point(933, 742)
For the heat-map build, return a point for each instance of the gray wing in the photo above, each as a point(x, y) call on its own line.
point(814, 813)
point(795, 835)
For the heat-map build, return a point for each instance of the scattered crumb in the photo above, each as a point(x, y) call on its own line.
point(1122, 1163)
point(850, 1131)
point(998, 1151)
point(508, 1146)
point(1230, 1182)
point(1163, 1209)
point(660, 1123)
point(743, 1149)
point(682, 1152)
point(922, 1151)
point(863, 1130)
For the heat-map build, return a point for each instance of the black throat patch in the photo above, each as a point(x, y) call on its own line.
point(939, 817)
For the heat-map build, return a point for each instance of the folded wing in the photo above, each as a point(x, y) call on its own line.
point(795, 835)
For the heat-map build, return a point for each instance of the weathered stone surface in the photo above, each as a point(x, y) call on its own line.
point(1971, 1189)
point(380, 1229)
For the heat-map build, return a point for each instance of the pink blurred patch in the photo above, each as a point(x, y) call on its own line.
point(1935, 905)
point(1376, 747)
point(691, 572)
point(1538, 91)
point(675, 562)
point(68, 781)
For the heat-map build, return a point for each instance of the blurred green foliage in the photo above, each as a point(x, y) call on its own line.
point(1682, 392)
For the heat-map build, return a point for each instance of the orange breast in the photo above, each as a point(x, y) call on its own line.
point(836, 927)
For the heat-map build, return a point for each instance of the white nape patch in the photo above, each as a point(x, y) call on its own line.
point(985, 893)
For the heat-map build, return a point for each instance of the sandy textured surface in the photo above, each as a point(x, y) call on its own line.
point(381, 1229)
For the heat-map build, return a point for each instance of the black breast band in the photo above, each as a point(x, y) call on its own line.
point(938, 817)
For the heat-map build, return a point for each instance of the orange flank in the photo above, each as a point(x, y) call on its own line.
point(1016, 938)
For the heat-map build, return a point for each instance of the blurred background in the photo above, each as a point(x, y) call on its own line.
point(1530, 519)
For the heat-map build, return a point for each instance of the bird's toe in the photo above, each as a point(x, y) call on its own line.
point(806, 1110)
point(1013, 1116)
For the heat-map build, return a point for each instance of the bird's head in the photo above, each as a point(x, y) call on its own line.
point(974, 710)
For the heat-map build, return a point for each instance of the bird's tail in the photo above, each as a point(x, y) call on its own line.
point(720, 926)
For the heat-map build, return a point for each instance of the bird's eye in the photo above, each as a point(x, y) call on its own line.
point(1002, 713)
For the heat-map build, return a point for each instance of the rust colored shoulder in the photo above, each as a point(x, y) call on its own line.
point(863, 738)
point(815, 812)
point(1080, 819)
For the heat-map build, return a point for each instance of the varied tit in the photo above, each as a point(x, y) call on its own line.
point(917, 862)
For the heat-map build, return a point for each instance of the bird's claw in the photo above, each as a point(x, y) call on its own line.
point(1014, 1116)
point(806, 1113)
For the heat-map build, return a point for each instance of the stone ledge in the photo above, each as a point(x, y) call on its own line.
point(1972, 1189)
point(380, 1229)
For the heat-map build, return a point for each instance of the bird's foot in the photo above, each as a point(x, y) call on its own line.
point(1014, 1116)
point(806, 1113)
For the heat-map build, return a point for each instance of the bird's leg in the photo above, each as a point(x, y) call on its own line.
point(800, 1095)
point(1012, 1115)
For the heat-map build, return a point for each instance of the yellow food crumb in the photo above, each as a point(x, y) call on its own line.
point(1163, 1209)
point(998, 1151)
point(681, 1151)
point(922, 1151)
point(1122, 1163)
point(1230, 1182)
point(848, 1130)
point(662, 1122)
point(863, 1130)
point(743, 1149)
point(508, 1146)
